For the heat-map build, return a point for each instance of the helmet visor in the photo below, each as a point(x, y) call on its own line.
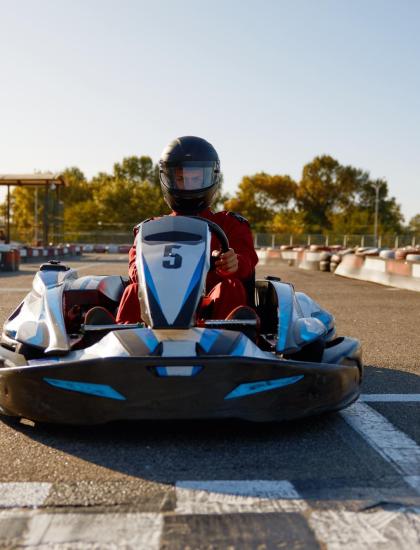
point(190, 176)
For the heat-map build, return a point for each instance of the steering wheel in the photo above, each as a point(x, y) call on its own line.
point(217, 231)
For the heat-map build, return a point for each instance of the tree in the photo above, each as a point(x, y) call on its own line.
point(23, 211)
point(126, 200)
point(333, 197)
point(414, 225)
point(137, 169)
point(260, 197)
point(326, 188)
point(288, 221)
point(390, 218)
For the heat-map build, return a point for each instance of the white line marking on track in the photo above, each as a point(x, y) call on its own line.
point(390, 397)
point(132, 530)
point(23, 494)
point(393, 445)
point(222, 497)
point(390, 530)
point(335, 529)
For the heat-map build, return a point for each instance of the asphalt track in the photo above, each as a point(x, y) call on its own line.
point(346, 480)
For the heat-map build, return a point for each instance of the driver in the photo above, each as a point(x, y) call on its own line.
point(189, 171)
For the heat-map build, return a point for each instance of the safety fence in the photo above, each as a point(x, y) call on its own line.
point(124, 235)
point(274, 240)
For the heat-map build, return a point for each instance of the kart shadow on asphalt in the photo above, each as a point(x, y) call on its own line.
point(165, 451)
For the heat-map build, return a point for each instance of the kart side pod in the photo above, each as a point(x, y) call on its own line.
point(295, 318)
point(38, 321)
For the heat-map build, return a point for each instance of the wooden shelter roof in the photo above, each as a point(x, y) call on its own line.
point(32, 179)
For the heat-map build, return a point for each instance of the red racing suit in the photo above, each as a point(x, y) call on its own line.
point(225, 292)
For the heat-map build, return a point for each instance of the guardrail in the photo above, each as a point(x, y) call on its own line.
point(274, 240)
point(398, 273)
point(12, 256)
point(399, 268)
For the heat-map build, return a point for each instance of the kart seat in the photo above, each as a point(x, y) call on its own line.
point(91, 291)
point(249, 285)
point(266, 306)
point(88, 292)
point(99, 316)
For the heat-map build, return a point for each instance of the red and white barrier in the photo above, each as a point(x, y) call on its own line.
point(398, 273)
point(11, 256)
point(311, 260)
point(303, 258)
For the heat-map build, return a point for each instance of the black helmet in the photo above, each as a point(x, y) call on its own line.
point(189, 171)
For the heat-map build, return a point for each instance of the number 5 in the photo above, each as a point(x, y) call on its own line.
point(175, 260)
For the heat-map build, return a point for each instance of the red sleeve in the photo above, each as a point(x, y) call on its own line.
point(241, 240)
point(132, 270)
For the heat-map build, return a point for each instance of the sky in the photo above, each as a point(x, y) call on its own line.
point(270, 83)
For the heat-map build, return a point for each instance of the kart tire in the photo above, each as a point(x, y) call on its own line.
point(413, 258)
point(324, 265)
point(387, 254)
point(325, 256)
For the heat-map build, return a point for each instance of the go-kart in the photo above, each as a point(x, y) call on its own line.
point(58, 366)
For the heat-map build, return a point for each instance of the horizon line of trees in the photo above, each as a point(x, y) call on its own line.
point(328, 198)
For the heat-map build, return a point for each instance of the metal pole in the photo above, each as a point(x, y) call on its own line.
point(60, 236)
point(273, 240)
point(55, 213)
point(45, 235)
point(8, 216)
point(36, 217)
point(375, 230)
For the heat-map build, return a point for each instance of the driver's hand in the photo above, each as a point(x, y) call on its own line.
point(227, 262)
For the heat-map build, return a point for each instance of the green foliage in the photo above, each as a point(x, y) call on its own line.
point(137, 170)
point(115, 202)
point(260, 197)
point(120, 200)
point(326, 188)
point(414, 225)
point(390, 217)
point(23, 211)
point(288, 221)
point(329, 197)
